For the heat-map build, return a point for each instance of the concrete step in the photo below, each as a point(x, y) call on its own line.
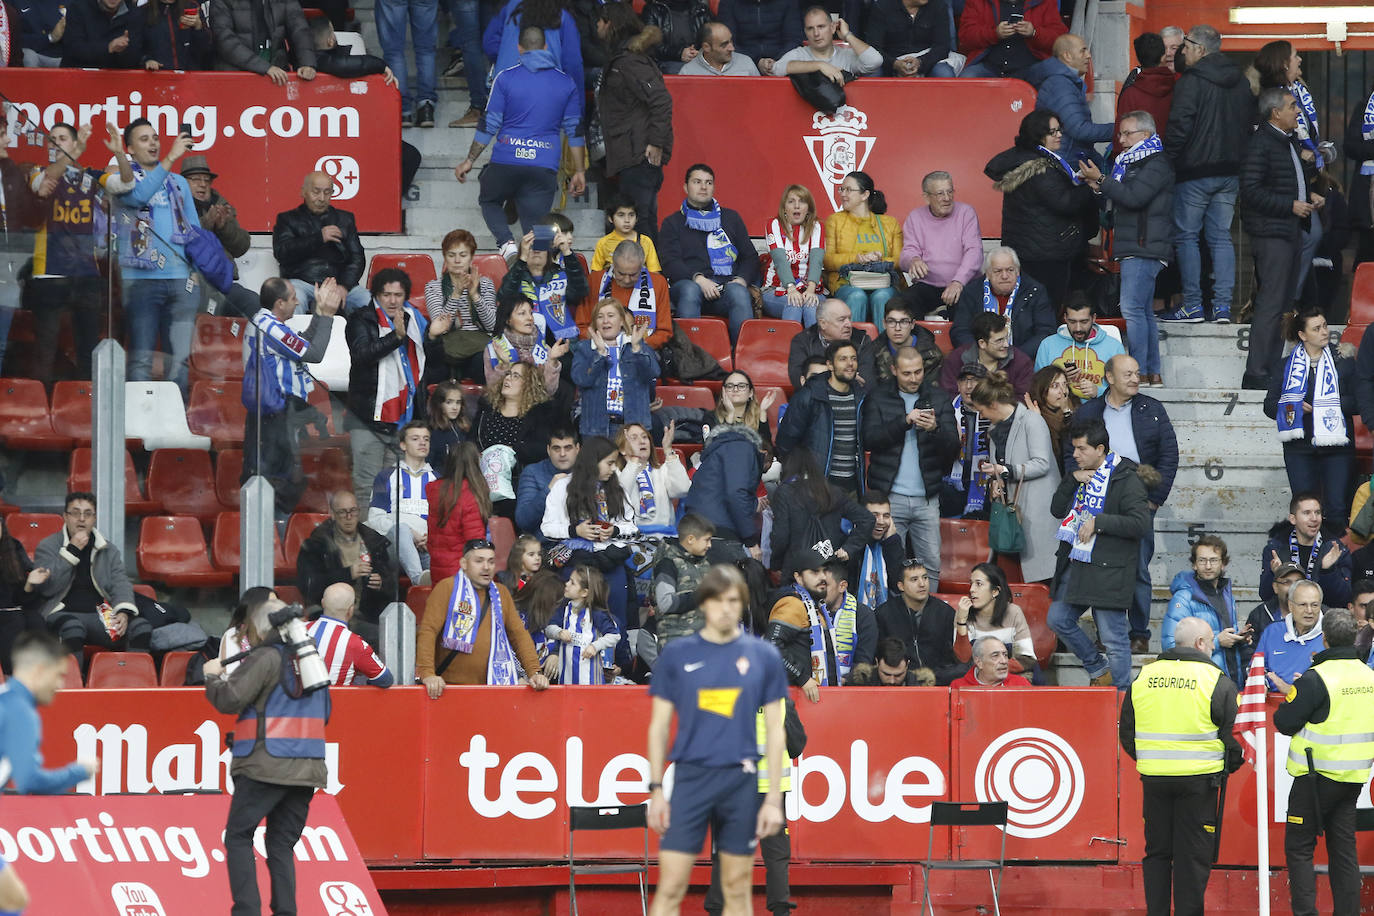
point(1209, 405)
point(1205, 339)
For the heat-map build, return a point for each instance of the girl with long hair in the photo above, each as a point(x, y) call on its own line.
point(1054, 399)
point(584, 630)
point(537, 603)
point(523, 563)
point(459, 508)
point(987, 610)
point(796, 250)
point(737, 402)
point(448, 421)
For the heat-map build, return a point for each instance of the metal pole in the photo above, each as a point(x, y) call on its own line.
point(257, 505)
point(107, 439)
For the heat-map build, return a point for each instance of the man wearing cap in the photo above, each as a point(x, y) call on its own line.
point(471, 632)
point(220, 217)
point(1272, 609)
point(817, 650)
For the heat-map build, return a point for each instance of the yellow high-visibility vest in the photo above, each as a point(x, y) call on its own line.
point(1174, 731)
point(1343, 745)
point(765, 781)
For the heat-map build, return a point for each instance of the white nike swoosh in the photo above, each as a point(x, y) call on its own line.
point(692, 667)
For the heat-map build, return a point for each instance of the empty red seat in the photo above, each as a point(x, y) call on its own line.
point(940, 330)
point(762, 347)
point(417, 265)
point(173, 672)
point(217, 348)
point(288, 594)
point(217, 411)
point(79, 480)
point(963, 545)
point(71, 678)
point(298, 530)
point(1353, 334)
point(121, 671)
point(492, 266)
point(172, 550)
point(25, 419)
point(183, 482)
point(686, 396)
point(30, 528)
point(146, 591)
point(416, 598)
point(325, 472)
point(712, 335)
point(71, 410)
point(1362, 295)
point(1034, 601)
point(502, 538)
point(226, 549)
point(228, 469)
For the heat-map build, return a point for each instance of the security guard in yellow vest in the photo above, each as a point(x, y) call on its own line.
point(776, 849)
point(1176, 723)
point(1329, 711)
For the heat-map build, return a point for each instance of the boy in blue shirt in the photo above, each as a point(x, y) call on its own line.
point(39, 662)
point(715, 680)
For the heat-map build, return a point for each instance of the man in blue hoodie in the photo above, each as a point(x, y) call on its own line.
point(1058, 81)
point(1081, 347)
point(530, 105)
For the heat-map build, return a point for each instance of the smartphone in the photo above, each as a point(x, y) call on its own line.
point(186, 131)
point(1016, 17)
point(191, 11)
point(543, 238)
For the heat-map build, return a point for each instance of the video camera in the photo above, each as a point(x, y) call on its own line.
point(290, 625)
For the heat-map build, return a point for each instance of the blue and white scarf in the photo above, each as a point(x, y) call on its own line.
point(1142, 150)
point(615, 385)
point(1308, 131)
point(873, 576)
point(990, 304)
point(643, 304)
point(572, 667)
point(502, 353)
point(644, 483)
point(1068, 169)
point(1367, 131)
point(550, 295)
point(1088, 501)
point(1328, 422)
point(465, 619)
point(973, 450)
point(721, 250)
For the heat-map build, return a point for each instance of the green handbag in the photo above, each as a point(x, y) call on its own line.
point(1005, 534)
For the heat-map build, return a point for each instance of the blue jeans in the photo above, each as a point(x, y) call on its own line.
point(861, 300)
point(531, 187)
point(1139, 615)
point(919, 519)
point(1206, 205)
point(423, 18)
point(466, 36)
point(777, 307)
point(156, 309)
point(1111, 629)
point(1137, 307)
point(358, 297)
point(1324, 471)
point(1311, 240)
point(733, 304)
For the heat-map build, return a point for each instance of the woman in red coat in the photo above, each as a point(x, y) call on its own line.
point(459, 506)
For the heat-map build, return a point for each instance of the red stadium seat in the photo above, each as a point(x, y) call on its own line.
point(217, 411)
point(963, 545)
point(941, 331)
point(502, 538)
point(325, 472)
point(71, 411)
point(228, 469)
point(686, 396)
point(147, 591)
point(712, 335)
point(416, 598)
point(288, 593)
point(1034, 601)
point(183, 482)
point(79, 480)
point(868, 328)
point(298, 529)
point(173, 672)
point(172, 550)
point(121, 671)
point(762, 348)
point(25, 420)
point(321, 401)
point(1362, 295)
point(1353, 334)
point(226, 550)
point(417, 265)
point(492, 266)
point(30, 528)
point(217, 348)
point(71, 679)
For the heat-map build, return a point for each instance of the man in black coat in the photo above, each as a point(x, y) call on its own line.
point(912, 439)
point(833, 324)
point(1106, 512)
point(923, 623)
point(317, 241)
point(1276, 206)
point(106, 34)
point(825, 415)
point(342, 549)
point(1008, 291)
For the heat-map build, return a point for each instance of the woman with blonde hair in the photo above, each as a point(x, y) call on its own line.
point(796, 249)
point(650, 483)
point(513, 407)
point(615, 369)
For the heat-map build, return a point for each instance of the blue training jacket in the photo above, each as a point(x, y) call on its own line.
point(21, 734)
point(530, 105)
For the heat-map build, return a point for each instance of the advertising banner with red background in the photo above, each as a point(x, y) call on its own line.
point(260, 138)
point(758, 136)
point(164, 856)
point(488, 773)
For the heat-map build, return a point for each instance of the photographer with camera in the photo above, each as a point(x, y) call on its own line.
point(281, 695)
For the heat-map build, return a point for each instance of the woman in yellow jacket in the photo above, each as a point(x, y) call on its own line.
point(861, 249)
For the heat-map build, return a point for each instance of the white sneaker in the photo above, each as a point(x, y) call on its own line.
point(508, 251)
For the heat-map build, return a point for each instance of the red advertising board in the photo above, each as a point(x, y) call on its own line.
point(260, 138)
point(759, 137)
point(164, 856)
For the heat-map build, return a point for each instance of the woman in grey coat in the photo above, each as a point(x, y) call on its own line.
point(1021, 457)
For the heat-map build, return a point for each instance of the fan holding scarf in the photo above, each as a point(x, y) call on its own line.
point(1105, 513)
point(1312, 399)
point(628, 280)
point(553, 281)
point(817, 649)
point(389, 342)
point(615, 370)
point(471, 631)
